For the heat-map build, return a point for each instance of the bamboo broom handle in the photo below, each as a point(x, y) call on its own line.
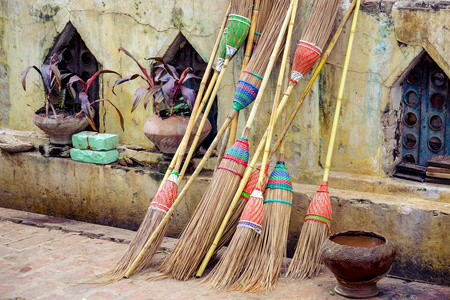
point(276, 100)
point(252, 164)
point(340, 95)
point(199, 94)
point(205, 116)
point(181, 195)
point(272, 60)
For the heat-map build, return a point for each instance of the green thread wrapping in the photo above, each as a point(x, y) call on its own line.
point(237, 30)
point(256, 75)
point(257, 33)
point(244, 138)
point(245, 194)
point(174, 172)
point(279, 201)
point(309, 217)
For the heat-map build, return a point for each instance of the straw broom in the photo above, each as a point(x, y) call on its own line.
point(262, 142)
point(306, 260)
point(200, 231)
point(249, 227)
point(152, 218)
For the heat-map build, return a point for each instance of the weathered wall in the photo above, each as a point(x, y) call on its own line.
point(366, 141)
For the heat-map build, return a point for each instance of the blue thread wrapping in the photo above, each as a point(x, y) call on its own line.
point(244, 95)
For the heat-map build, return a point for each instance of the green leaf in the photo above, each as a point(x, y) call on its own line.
point(332, 292)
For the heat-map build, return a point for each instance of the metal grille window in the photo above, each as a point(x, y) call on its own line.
point(426, 113)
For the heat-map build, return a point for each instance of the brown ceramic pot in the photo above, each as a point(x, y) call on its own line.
point(168, 133)
point(61, 128)
point(358, 259)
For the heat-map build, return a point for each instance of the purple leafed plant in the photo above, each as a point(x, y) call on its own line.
point(84, 99)
point(163, 85)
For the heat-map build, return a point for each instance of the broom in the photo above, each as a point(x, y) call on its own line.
point(306, 260)
point(202, 227)
point(249, 227)
point(162, 197)
point(286, 128)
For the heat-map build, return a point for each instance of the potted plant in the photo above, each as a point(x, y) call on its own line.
point(172, 103)
point(66, 117)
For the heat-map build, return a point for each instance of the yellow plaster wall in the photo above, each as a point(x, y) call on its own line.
point(364, 143)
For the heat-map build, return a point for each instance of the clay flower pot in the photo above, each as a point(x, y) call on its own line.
point(358, 260)
point(167, 133)
point(61, 129)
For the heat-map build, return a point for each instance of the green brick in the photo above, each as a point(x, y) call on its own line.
point(94, 140)
point(96, 157)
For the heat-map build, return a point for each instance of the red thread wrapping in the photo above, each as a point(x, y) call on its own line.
point(165, 197)
point(320, 204)
point(230, 170)
point(253, 211)
point(306, 55)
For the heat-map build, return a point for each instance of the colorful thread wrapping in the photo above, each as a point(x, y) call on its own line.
point(252, 216)
point(280, 178)
point(244, 95)
point(320, 207)
point(166, 195)
point(222, 51)
point(254, 74)
point(236, 33)
point(239, 152)
point(306, 55)
point(230, 170)
point(277, 201)
point(252, 181)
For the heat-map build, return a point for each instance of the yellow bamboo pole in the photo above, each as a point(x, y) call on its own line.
point(282, 104)
point(340, 94)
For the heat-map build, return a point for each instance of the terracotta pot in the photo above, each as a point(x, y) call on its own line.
point(61, 129)
point(358, 259)
point(168, 133)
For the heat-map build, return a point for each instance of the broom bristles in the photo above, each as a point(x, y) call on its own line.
point(242, 8)
point(264, 268)
point(318, 28)
point(306, 261)
point(260, 58)
point(148, 226)
point(232, 261)
point(202, 227)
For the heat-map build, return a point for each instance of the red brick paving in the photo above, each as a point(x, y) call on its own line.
point(42, 259)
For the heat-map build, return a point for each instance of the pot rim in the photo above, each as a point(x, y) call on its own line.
point(354, 233)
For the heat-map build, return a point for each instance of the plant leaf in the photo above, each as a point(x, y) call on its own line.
point(183, 75)
point(170, 69)
point(24, 75)
point(74, 79)
point(150, 94)
point(188, 95)
point(169, 88)
point(90, 80)
point(85, 108)
point(125, 79)
point(144, 71)
point(57, 75)
point(46, 77)
point(137, 97)
point(159, 96)
point(118, 111)
point(190, 76)
point(53, 109)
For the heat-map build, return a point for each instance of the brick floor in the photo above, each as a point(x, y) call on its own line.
point(48, 258)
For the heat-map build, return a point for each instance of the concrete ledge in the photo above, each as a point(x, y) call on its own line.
point(119, 196)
